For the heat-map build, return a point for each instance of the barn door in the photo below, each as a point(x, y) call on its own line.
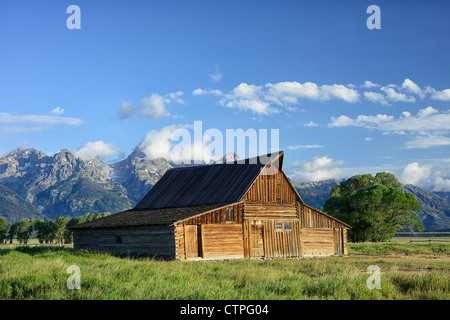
point(338, 241)
point(191, 241)
point(256, 240)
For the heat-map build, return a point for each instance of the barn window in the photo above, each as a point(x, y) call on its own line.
point(278, 226)
point(287, 226)
point(119, 239)
point(229, 215)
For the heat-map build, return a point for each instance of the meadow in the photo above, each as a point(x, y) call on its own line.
point(408, 271)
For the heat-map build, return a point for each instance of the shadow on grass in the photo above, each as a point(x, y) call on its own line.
point(35, 250)
point(39, 250)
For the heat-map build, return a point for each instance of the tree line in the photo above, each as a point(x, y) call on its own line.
point(47, 231)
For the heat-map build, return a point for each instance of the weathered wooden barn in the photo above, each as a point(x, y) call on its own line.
point(246, 209)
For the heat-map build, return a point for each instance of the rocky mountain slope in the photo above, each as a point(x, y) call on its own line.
point(137, 174)
point(14, 208)
point(65, 185)
point(36, 184)
point(434, 210)
point(62, 184)
point(315, 193)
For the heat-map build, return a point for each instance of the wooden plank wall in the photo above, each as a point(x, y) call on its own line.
point(212, 217)
point(313, 218)
point(217, 216)
point(152, 241)
point(281, 243)
point(317, 242)
point(271, 187)
point(191, 241)
point(259, 210)
point(222, 241)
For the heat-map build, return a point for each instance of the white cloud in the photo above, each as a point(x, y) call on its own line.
point(256, 106)
point(426, 121)
point(360, 121)
point(443, 95)
point(311, 124)
point(248, 98)
point(341, 121)
point(426, 112)
point(395, 96)
point(158, 144)
point(214, 92)
point(339, 91)
point(306, 146)
point(10, 123)
point(412, 87)
point(126, 111)
point(96, 149)
point(321, 168)
point(441, 183)
point(152, 107)
point(376, 97)
point(289, 92)
point(266, 99)
point(424, 142)
point(247, 91)
point(165, 144)
point(369, 84)
point(429, 127)
point(57, 111)
point(175, 96)
point(216, 76)
point(413, 173)
point(405, 92)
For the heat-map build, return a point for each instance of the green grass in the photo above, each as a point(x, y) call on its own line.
point(406, 249)
point(407, 272)
point(419, 271)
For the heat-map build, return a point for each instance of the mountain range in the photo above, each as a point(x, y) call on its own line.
point(33, 184)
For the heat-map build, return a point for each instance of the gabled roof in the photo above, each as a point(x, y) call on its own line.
point(189, 191)
point(142, 218)
point(206, 184)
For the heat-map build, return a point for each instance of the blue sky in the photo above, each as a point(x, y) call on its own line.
point(345, 99)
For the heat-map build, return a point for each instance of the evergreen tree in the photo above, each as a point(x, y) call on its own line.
point(3, 229)
point(13, 231)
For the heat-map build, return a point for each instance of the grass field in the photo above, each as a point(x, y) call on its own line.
point(407, 271)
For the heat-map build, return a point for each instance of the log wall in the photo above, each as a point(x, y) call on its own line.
point(260, 210)
point(317, 242)
point(180, 252)
point(153, 241)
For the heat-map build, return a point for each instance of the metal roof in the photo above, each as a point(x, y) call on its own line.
point(142, 218)
point(200, 185)
point(205, 184)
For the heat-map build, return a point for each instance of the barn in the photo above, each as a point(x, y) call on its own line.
point(244, 209)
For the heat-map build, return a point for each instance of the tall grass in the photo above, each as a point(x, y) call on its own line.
point(40, 273)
